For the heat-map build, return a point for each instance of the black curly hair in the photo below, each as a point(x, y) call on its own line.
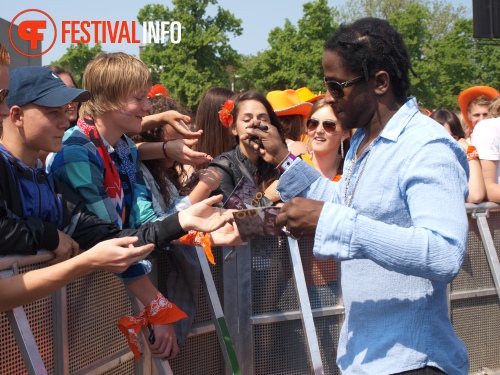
point(369, 45)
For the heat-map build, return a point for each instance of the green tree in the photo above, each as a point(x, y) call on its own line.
point(200, 60)
point(459, 61)
point(294, 57)
point(413, 24)
point(443, 13)
point(77, 57)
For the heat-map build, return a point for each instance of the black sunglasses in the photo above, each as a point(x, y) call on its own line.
point(3, 94)
point(328, 125)
point(336, 89)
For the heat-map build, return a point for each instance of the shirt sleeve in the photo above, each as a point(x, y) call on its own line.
point(431, 246)
point(142, 210)
point(487, 141)
point(301, 179)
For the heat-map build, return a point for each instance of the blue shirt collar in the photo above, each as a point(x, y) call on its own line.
point(398, 122)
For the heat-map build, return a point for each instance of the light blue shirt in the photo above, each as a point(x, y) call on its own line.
point(401, 241)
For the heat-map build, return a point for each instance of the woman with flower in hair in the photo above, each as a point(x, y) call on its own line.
point(243, 164)
point(216, 139)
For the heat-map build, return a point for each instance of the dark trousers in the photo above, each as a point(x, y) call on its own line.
point(427, 370)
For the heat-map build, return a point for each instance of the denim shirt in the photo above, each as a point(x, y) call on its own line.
point(400, 242)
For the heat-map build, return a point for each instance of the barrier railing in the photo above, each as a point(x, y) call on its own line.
point(74, 331)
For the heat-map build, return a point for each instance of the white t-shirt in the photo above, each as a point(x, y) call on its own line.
point(486, 139)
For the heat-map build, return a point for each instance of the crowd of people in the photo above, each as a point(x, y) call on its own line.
point(119, 168)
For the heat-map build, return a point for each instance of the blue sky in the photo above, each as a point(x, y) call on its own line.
point(258, 16)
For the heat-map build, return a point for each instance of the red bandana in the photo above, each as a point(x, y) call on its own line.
point(112, 182)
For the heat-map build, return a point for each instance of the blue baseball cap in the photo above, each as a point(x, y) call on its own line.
point(39, 85)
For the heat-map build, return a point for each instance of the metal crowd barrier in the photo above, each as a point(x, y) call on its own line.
point(75, 332)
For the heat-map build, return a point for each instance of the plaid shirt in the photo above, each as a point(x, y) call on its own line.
point(79, 165)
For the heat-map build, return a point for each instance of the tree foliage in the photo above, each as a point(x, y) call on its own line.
point(200, 60)
point(294, 57)
point(458, 61)
point(445, 56)
point(77, 57)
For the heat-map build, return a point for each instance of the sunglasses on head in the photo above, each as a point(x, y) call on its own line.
point(3, 94)
point(328, 125)
point(336, 89)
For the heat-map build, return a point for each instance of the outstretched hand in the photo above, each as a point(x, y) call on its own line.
point(270, 146)
point(176, 122)
point(300, 216)
point(180, 151)
point(178, 127)
point(116, 255)
point(203, 217)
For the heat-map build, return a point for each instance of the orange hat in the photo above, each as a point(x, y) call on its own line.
point(307, 95)
point(468, 95)
point(287, 102)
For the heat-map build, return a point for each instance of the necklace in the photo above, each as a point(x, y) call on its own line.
point(348, 200)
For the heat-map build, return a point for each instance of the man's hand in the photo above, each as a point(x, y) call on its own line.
point(273, 149)
point(165, 344)
point(67, 248)
point(180, 151)
point(300, 216)
point(203, 217)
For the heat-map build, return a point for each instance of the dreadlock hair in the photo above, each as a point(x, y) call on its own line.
point(175, 173)
point(369, 45)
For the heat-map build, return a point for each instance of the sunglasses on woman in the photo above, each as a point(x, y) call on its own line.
point(336, 89)
point(3, 94)
point(328, 125)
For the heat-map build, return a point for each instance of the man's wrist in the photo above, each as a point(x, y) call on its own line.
point(286, 162)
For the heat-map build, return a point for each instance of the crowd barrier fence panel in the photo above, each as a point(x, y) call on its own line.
point(75, 329)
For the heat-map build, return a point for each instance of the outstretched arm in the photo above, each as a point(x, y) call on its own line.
point(113, 255)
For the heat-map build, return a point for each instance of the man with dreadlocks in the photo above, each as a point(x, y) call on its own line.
point(396, 220)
